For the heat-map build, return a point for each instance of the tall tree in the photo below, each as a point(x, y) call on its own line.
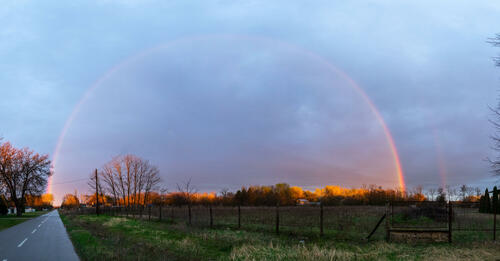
point(441, 195)
point(23, 172)
point(128, 179)
point(463, 192)
point(487, 201)
point(495, 162)
point(481, 204)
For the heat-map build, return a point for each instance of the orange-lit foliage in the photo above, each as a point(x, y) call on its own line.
point(70, 201)
point(282, 194)
point(471, 199)
point(40, 202)
point(90, 200)
point(107, 200)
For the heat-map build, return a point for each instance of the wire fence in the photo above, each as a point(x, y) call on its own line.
point(345, 222)
point(458, 221)
point(471, 225)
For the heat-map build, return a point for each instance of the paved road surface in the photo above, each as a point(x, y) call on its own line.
point(41, 238)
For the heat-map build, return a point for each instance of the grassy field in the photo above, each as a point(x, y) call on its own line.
point(12, 220)
point(119, 238)
point(340, 222)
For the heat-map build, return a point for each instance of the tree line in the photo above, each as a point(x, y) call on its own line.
point(23, 178)
point(489, 204)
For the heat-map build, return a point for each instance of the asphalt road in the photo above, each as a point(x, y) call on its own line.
point(41, 238)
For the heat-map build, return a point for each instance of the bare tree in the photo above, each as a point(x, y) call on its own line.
point(451, 191)
point(441, 195)
point(432, 193)
point(495, 41)
point(464, 191)
point(23, 172)
point(224, 192)
point(129, 179)
point(148, 179)
point(111, 183)
point(478, 192)
point(187, 191)
point(495, 163)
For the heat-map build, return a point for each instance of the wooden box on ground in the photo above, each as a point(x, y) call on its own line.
point(416, 235)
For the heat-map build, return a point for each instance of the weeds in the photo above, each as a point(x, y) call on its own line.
point(118, 238)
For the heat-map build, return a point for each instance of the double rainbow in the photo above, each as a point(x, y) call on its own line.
point(132, 59)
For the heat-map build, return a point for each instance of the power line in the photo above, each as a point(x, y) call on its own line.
point(70, 181)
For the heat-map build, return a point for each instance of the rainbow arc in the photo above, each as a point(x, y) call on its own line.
point(132, 59)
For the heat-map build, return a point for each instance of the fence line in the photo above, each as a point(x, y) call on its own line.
point(346, 222)
point(457, 219)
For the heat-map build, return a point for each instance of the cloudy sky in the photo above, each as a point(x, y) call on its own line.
point(232, 93)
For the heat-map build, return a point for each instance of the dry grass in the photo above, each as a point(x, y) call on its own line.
point(118, 238)
point(376, 251)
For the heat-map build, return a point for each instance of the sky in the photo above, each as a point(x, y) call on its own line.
point(232, 93)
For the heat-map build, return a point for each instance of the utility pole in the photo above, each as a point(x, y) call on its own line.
point(96, 194)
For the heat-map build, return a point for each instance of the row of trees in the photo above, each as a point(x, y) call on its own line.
point(489, 204)
point(336, 195)
point(23, 176)
point(282, 194)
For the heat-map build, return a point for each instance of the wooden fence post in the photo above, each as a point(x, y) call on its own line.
point(159, 216)
point(239, 216)
point(96, 193)
point(495, 210)
point(211, 217)
point(387, 223)
point(172, 213)
point(189, 213)
point(321, 218)
point(392, 215)
point(450, 219)
point(277, 219)
point(149, 212)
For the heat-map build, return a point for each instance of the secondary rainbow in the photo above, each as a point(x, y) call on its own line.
point(132, 59)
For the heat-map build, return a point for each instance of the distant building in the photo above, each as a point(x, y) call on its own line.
point(12, 210)
point(305, 202)
point(302, 201)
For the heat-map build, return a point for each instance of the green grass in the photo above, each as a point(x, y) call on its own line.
point(119, 238)
point(7, 221)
